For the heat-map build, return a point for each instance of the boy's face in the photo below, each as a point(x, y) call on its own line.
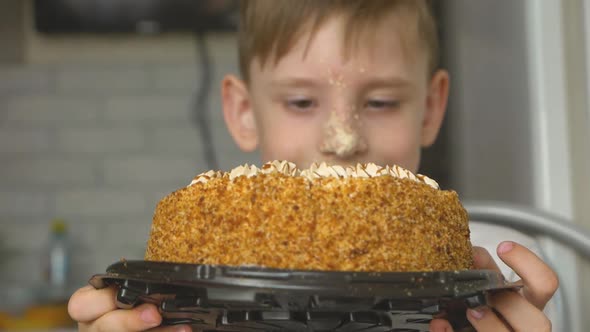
point(378, 105)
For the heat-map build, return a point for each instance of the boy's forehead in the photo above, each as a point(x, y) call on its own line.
point(387, 48)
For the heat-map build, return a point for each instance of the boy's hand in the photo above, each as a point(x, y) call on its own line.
point(96, 310)
point(512, 311)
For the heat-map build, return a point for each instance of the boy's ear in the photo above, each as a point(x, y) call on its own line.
point(436, 105)
point(238, 113)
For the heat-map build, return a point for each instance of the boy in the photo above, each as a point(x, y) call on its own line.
point(342, 82)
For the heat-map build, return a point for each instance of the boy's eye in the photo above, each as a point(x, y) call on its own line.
point(379, 104)
point(301, 105)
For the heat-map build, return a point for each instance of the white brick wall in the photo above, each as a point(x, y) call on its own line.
point(18, 204)
point(104, 79)
point(47, 172)
point(149, 109)
point(49, 110)
point(98, 142)
point(31, 81)
point(152, 170)
point(17, 141)
point(110, 203)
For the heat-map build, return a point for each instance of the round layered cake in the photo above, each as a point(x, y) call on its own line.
point(361, 218)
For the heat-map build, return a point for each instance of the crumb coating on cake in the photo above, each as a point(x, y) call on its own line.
point(281, 220)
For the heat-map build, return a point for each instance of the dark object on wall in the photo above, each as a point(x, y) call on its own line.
point(128, 16)
point(436, 159)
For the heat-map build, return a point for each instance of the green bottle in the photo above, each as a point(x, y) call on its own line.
point(58, 254)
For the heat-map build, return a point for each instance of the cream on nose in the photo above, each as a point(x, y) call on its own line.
point(341, 136)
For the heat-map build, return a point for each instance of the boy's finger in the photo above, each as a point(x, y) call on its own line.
point(172, 328)
point(88, 303)
point(540, 282)
point(485, 320)
point(519, 313)
point(140, 318)
point(440, 325)
point(483, 260)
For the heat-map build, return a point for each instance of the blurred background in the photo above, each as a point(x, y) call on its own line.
point(108, 105)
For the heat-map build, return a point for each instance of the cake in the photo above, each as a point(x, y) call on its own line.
point(326, 217)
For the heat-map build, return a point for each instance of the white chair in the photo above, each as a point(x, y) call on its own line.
point(531, 224)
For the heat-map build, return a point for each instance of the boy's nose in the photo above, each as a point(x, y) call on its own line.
point(342, 137)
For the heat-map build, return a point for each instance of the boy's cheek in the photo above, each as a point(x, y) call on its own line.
point(289, 142)
point(394, 145)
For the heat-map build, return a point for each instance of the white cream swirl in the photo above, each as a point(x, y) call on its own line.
point(316, 171)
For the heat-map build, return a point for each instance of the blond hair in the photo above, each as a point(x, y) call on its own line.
point(269, 28)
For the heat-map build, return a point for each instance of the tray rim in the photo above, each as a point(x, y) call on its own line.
point(284, 280)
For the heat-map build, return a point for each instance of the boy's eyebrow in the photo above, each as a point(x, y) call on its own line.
point(397, 82)
point(295, 82)
point(374, 82)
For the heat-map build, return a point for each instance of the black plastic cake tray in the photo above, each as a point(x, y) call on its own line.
point(249, 298)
